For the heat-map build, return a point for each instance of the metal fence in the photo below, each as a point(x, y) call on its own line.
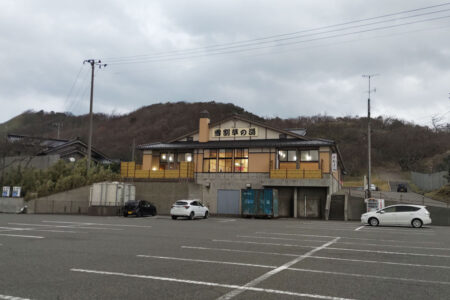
point(429, 182)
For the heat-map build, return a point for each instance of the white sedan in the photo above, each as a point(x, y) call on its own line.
point(189, 208)
point(402, 214)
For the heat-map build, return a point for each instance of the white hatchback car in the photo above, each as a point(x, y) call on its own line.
point(189, 208)
point(402, 214)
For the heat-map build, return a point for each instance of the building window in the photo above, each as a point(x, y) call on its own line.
point(225, 160)
point(287, 155)
point(184, 157)
point(210, 160)
point(167, 157)
point(309, 155)
point(241, 160)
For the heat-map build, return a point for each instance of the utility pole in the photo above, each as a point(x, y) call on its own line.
point(58, 125)
point(93, 63)
point(133, 145)
point(369, 159)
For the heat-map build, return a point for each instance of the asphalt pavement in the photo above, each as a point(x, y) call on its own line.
point(82, 257)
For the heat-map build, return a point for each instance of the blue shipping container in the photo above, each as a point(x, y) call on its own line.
point(259, 203)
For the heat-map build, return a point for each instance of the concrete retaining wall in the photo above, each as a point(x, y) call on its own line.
point(11, 205)
point(164, 194)
point(75, 201)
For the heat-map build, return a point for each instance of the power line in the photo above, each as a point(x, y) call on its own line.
point(112, 59)
point(180, 57)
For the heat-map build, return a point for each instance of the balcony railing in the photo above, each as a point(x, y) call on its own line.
point(131, 170)
point(295, 174)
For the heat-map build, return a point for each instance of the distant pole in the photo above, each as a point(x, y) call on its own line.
point(369, 145)
point(132, 149)
point(93, 63)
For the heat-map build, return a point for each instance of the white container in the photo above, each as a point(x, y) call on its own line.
point(111, 193)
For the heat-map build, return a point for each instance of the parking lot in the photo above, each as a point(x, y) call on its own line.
point(82, 257)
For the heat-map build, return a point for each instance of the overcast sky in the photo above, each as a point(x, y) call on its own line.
point(167, 51)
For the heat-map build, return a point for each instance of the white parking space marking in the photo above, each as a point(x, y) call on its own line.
point(345, 238)
point(207, 261)
point(68, 226)
point(240, 251)
point(359, 228)
point(370, 276)
point(22, 236)
point(269, 274)
point(226, 220)
point(33, 229)
point(296, 269)
point(379, 262)
point(374, 229)
point(345, 243)
point(6, 297)
point(317, 257)
point(99, 224)
point(335, 248)
point(205, 283)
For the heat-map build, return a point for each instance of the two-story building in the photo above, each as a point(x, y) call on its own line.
point(236, 153)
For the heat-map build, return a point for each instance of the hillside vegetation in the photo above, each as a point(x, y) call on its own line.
point(396, 143)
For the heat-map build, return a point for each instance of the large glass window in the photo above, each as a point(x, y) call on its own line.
point(309, 155)
point(184, 157)
point(225, 160)
point(167, 157)
point(287, 155)
point(241, 160)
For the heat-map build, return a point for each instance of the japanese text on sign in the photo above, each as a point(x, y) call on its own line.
point(230, 132)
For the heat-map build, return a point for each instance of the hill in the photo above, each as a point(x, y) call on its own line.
point(396, 144)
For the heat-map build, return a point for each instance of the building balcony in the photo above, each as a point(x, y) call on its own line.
point(295, 174)
point(132, 170)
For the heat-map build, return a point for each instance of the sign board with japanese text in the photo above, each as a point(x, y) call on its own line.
point(16, 191)
point(334, 162)
point(234, 132)
point(6, 191)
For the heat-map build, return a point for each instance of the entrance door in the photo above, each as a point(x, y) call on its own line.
point(228, 202)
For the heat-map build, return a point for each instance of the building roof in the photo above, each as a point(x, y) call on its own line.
point(237, 144)
point(241, 118)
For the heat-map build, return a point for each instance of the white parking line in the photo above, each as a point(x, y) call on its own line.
point(335, 248)
point(346, 243)
point(22, 236)
point(297, 269)
point(101, 224)
point(269, 274)
point(344, 238)
point(359, 228)
point(67, 226)
point(370, 276)
point(6, 297)
point(33, 229)
point(318, 257)
point(375, 229)
point(207, 261)
point(231, 286)
point(226, 220)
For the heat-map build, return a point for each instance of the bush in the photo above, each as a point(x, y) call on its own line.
point(60, 177)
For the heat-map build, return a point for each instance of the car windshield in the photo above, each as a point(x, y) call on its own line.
point(181, 203)
point(132, 203)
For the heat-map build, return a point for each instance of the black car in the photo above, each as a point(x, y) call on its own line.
point(139, 208)
point(402, 188)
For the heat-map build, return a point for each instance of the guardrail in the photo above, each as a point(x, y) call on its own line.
point(295, 174)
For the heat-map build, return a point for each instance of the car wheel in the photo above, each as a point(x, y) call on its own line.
point(373, 222)
point(416, 223)
point(174, 217)
point(125, 215)
point(206, 215)
point(192, 215)
point(154, 212)
point(140, 214)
